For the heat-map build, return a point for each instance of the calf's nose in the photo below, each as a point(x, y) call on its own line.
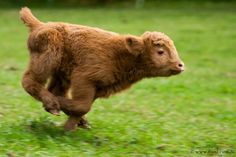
point(180, 66)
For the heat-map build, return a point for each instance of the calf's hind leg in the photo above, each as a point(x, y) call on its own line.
point(34, 85)
point(58, 86)
point(45, 56)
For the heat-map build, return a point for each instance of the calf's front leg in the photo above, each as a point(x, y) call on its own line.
point(59, 87)
point(83, 93)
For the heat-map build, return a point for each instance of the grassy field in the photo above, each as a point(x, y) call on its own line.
point(193, 114)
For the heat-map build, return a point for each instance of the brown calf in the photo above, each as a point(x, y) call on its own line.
point(91, 62)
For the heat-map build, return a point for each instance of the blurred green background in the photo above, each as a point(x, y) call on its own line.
point(192, 114)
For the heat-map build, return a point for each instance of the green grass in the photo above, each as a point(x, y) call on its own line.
point(176, 116)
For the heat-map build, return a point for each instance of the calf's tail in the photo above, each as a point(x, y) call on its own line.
point(29, 19)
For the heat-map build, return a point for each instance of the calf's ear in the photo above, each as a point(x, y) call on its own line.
point(134, 45)
point(147, 37)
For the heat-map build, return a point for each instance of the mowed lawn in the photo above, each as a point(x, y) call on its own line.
point(192, 114)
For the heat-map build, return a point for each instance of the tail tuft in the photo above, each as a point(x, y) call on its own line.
point(29, 19)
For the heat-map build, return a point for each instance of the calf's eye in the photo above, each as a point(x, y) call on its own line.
point(160, 52)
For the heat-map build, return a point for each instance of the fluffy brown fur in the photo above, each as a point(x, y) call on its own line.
point(91, 62)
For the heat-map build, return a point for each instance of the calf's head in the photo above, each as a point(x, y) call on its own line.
point(159, 53)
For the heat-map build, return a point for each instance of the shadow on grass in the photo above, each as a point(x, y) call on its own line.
point(44, 127)
point(44, 131)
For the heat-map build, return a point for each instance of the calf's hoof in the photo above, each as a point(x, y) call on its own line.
point(52, 106)
point(83, 123)
point(71, 123)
